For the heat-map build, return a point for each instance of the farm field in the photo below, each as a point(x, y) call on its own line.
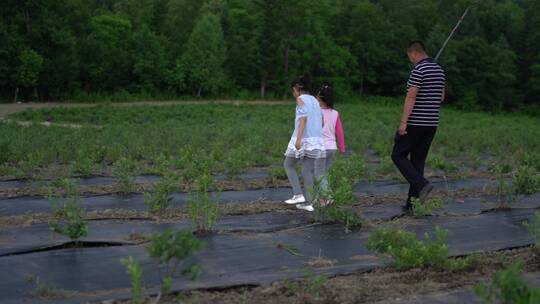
point(112, 203)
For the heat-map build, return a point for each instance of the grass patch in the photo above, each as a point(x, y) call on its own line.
point(409, 252)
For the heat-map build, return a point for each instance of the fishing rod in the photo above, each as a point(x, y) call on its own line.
point(454, 30)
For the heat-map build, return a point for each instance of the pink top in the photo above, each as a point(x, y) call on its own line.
point(333, 130)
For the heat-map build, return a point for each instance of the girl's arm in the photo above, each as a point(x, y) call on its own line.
point(300, 135)
point(339, 135)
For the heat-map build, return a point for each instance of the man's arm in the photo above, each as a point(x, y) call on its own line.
point(407, 109)
point(300, 135)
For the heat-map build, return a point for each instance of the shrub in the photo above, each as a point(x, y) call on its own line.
point(161, 165)
point(125, 171)
point(66, 206)
point(534, 229)
point(351, 169)
point(505, 192)
point(202, 210)
point(508, 286)
point(84, 167)
point(339, 210)
point(162, 197)
point(525, 181)
point(277, 173)
point(135, 272)
point(409, 252)
point(438, 162)
point(171, 249)
point(426, 208)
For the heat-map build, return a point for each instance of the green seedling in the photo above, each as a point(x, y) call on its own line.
point(68, 211)
point(427, 208)
point(125, 172)
point(202, 210)
point(135, 272)
point(161, 199)
point(508, 286)
point(526, 181)
point(534, 229)
point(409, 252)
point(172, 249)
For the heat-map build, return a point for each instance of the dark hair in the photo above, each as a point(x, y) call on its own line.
point(416, 46)
point(303, 83)
point(326, 94)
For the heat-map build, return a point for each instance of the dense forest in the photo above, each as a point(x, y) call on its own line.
point(68, 49)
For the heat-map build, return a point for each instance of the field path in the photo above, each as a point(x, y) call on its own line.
point(10, 108)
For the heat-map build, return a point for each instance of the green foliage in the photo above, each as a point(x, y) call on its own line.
point(171, 249)
point(202, 210)
point(30, 65)
point(534, 229)
point(313, 283)
point(84, 167)
point(161, 198)
point(506, 195)
point(526, 181)
point(508, 286)
point(126, 50)
point(125, 172)
point(201, 68)
point(135, 272)
point(409, 252)
point(426, 208)
point(334, 205)
point(68, 211)
point(438, 162)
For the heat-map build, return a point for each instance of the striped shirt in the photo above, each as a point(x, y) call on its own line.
point(428, 76)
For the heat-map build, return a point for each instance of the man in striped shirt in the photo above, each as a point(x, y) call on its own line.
point(419, 121)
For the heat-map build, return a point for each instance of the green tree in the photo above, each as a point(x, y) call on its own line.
point(202, 65)
point(30, 65)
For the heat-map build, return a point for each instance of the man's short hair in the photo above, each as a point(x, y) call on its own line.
point(416, 46)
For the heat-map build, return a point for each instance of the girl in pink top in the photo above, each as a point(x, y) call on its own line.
point(332, 129)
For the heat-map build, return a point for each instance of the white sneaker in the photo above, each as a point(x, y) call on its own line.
point(307, 207)
point(296, 199)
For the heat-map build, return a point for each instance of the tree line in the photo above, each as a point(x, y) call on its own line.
point(61, 49)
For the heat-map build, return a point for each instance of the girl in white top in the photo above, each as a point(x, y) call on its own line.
point(306, 145)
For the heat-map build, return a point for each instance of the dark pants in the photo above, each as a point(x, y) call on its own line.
point(415, 143)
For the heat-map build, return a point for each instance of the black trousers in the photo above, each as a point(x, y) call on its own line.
point(409, 155)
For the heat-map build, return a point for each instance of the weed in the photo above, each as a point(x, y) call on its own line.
point(84, 167)
point(125, 171)
point(313, 283)
point(534, 229)
point(202, 210)
point(161, 165)
point(508, 286)
point(438, 162)
point(334, 205)
point(171, 249)
point(427, 208)
point(47, 291)
point(409, 252)
point(525, 181)
point(277, 173)
point(67, 207)
point(505, 192)
point(135, 272)
point(162, 197)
